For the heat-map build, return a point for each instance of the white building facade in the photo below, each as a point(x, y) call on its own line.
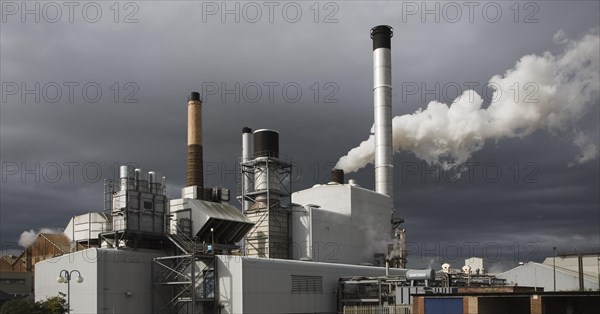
point(114, 281)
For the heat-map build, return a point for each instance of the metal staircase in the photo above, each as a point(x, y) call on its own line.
point(185, 282)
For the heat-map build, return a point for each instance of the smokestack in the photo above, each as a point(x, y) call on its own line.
point(266, 176)
point(141, 180)
point(382, 100)
point(195, 173)
point(247, 156)
point(337, 176)
point(246, 144)
point(125, 178)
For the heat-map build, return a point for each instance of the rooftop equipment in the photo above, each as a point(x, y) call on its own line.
point(337, 176)
point(265, 183)
point(138, 209)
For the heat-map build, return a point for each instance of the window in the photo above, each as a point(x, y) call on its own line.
point(13, 281)
point(147, 205)
point(307, 284)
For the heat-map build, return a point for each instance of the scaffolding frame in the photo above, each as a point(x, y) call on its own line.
point(267, 211)
point(176, 284)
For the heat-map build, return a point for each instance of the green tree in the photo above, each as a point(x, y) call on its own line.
point(18, 306)
point(52, 305)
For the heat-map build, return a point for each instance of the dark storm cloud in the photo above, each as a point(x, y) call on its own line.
point(174, 49)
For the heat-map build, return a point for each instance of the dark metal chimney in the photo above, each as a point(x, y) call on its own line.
point(195, 167)
point(337, 176)
point(580, 267)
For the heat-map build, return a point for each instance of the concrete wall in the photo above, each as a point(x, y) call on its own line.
point(115, 281)
point(124, 281)
point(259, 285)
point(83, 295)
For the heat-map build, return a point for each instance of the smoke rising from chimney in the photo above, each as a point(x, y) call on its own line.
point(566, 87)
point(28, 237)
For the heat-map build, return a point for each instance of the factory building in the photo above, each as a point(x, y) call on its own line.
point(284, 252)
point(17, 284)
point(17, 271)
point(542, 275)
point(113, 280)
point(589, 263)
point(44, 246)
point(336, 247)
point(258, 285)
point(340, 223)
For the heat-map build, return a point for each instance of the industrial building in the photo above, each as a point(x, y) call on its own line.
point(284, 252)
point(589, 263)
point(17, 284)
point(336, 247)
point(550, 278)
point(16, 271)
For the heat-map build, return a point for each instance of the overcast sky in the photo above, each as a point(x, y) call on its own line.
point(86, 88)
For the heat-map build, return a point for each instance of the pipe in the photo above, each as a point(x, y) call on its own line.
point(382, 100)
point(195, 171)
point(246, 156)
point(154, 183)
point(580, 268)
point(141, 180)
point(126, 178)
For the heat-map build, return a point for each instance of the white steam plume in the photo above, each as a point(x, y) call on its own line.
point(28, 237)
point(541, 92)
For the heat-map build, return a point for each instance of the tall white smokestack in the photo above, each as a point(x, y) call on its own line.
point(382, 100)
point(247, 156)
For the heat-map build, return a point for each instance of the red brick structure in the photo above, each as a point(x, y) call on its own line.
point(46, 245)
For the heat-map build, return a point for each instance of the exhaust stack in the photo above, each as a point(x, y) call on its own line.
point(195, 172)
point(382, 100)
point(247, 154)
point(337, 176)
